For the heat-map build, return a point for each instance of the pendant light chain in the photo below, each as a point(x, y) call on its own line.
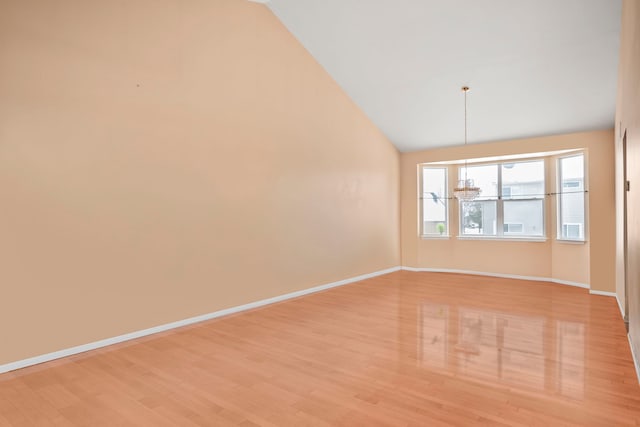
point(465, 89)
point(466, 190)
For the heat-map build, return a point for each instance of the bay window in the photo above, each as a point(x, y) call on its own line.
point(513, 200)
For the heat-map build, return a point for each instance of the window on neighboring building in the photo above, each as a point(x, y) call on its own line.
point(513, 228)
point(511, 202)
point(571, 199)
point(434, 202)
point(572, 231)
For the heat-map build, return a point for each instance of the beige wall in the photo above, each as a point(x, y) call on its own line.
point(550, 259)
point(164, 159)
point(628, 119)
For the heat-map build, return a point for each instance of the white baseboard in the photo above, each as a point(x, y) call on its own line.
point(506, 276)
point(620, 306)
point(138, 334)
point(603, 293)
point(635, 359)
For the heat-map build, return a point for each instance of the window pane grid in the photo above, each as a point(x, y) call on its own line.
point(511, 203)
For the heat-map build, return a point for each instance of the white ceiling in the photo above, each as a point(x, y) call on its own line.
point(535, 67)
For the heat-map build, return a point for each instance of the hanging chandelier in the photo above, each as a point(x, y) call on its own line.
point(465, 190)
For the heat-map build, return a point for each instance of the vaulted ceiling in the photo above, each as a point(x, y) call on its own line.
point(535, 67)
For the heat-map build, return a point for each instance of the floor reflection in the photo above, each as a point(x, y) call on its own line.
point(530, 352)
point(570, 357)
point(434, 338)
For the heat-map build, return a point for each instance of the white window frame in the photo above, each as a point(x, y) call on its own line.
point(445, 234)
point(500, 234)
point(560, 190)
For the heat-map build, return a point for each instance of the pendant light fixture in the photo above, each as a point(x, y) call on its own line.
point(466, 190)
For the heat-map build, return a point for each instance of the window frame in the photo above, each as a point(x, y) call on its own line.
point(560, 190)
point(500, 199)
point(423, 234)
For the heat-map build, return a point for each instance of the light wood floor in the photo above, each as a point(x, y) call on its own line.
point(405, 349)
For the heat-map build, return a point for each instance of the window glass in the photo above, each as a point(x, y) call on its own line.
point(485, 177)
point(523, 180)
point(479, 218)
point(571, 198)
point(434, 201)
point(527, 214)
point(511, 203)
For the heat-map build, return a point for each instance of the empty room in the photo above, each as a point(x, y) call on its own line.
point(319, 213)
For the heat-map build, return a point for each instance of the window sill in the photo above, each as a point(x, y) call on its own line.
point(505, 239)
point(435, 236)
point(571, 241)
